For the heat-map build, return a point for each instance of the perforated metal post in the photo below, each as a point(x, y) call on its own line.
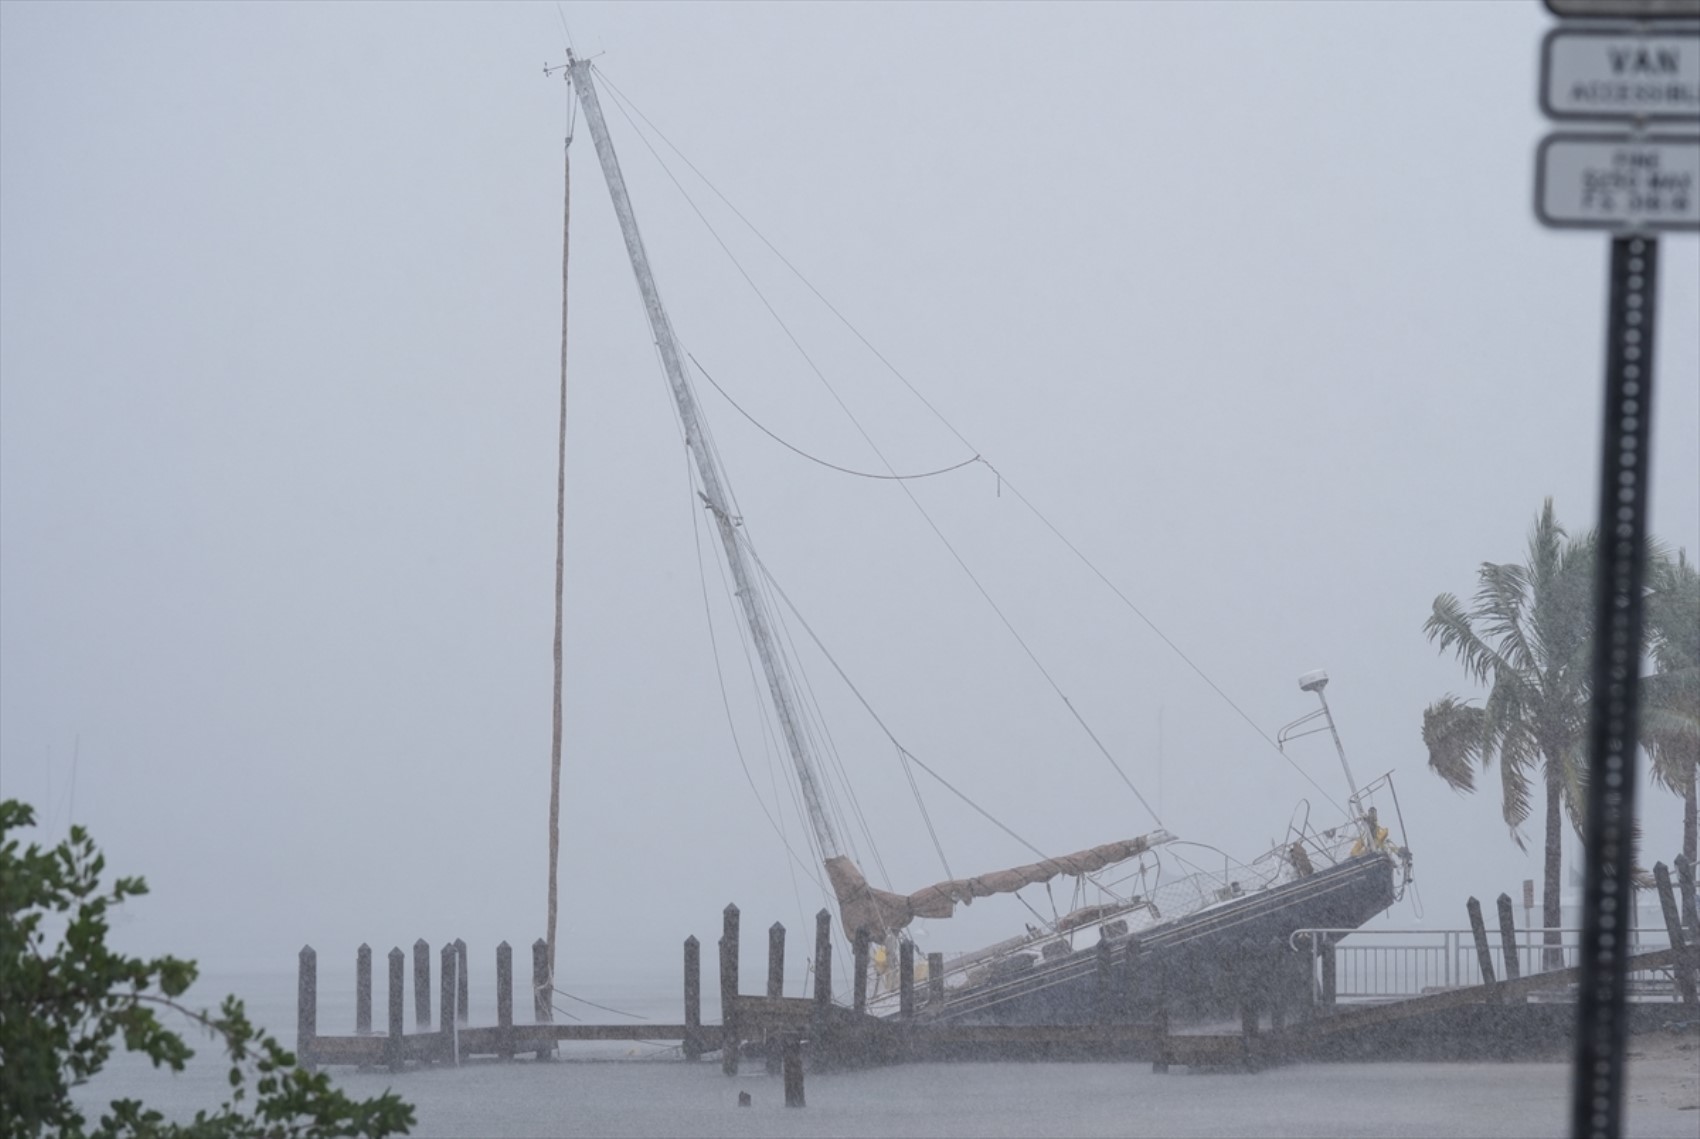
point(1619, 574)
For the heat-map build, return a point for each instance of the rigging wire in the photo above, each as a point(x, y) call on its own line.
point(902, 485)
point(759, 426)
point(951, 427)
point(915, 790)
point(604, 1008)
point(725, 702)
point(909, 756)
point(811, 723)
point(767, 581)
point(913, 758)
point(792, 673)
point(708, 441)
point(564, 31)
point(746, 644)
point(820, 732)
point(731, 495)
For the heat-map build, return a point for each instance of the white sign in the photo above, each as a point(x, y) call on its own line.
point(1625, 9)
point(1620, 73)
point(1618, 182)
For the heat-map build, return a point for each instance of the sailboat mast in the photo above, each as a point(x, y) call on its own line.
point(708, 470)
point(543, 999)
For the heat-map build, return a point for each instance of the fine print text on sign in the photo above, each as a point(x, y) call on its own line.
point(1620, 73)
point(1618, 182)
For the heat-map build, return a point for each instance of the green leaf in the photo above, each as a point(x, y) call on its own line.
point(63, 1006)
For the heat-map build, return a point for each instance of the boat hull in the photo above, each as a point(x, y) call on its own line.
point(1204, 966)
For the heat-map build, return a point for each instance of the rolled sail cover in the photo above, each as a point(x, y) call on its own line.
point(880, 911)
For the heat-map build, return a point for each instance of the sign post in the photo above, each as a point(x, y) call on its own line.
point(1619, 574)
point(1634, 186)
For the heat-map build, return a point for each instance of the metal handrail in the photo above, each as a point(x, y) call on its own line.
point(1358, 931)
point(1372, 968)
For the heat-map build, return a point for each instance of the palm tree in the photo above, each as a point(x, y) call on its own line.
point(1525, 638)
point(1670, 716)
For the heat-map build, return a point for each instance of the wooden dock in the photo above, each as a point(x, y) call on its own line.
point(771, 1026)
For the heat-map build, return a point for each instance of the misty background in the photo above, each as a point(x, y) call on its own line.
point(1247, 299)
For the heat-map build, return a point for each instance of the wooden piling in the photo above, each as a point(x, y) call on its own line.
point(505, 1000)
point(1103, 1002)
point(1508, 939)
point(1250, 1001)
point(906, 979)
point(935, 981)
point(859, 970)
point(1130, 978)
point(823, 962)
point(446, 968)
point(398, 1003)
point(363, 990)
point(729, 1037)
point(793, 1062)
point(693, 999)
point(776, 960)
point(823, 977)
point(1158, 968)
point(1690, 916)
point(542, 990)
point(1683, 972)
point(775, 987)
point(306, 1007)
point(1478, 930)
point(421, 985)
point(461, 982)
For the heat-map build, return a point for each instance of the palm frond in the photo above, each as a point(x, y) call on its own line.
point(1452, 732)
point(1670, 726)
point(1449, 625)
point(1502, 596)
point(1673, 613)
point(1563, 619)
point(1546, 545)
point(1508, 733)
point(1571, 770)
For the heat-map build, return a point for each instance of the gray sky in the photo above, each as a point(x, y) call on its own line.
point(1248, 299)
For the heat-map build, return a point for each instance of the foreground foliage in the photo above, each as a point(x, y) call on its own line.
point(64, 1007)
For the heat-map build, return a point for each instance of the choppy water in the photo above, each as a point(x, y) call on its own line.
point(640, 1090)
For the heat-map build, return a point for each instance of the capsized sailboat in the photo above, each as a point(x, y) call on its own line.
point(1200, 923)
